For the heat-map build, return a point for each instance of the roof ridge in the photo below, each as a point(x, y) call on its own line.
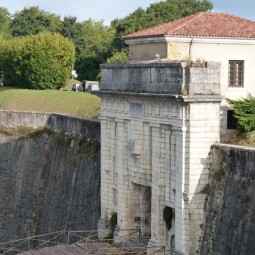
point(190, 18)
point(205, 24)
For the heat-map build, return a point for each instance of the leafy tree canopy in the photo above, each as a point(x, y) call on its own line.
point(93, 47)
point(32, 20)
point(156, 14)
point(118, 57)
point(42, 61)
point(94, 42)
point(72, 29)
point(5, 20)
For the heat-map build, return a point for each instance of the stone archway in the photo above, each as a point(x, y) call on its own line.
point(146, 215)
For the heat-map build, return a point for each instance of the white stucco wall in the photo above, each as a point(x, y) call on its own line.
point(223, 50)
point(207, 49)
point(211, 49)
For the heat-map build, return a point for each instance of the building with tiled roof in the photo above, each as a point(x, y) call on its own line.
point(204, 37)
point(161, 113)
point(202, 24)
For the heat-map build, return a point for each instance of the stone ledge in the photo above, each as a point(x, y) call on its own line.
point(192, 98)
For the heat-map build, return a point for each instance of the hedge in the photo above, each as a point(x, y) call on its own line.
point(42, 61)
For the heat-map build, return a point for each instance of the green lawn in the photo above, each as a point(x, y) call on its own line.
point(66, 102)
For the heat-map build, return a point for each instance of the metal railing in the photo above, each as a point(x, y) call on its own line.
point(31, 243)
point(127, 242)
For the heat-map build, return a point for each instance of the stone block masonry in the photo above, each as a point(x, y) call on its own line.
point(158, 122)
point(162, 77)
point(49, 181)
point(229, 222)
point(56, 122)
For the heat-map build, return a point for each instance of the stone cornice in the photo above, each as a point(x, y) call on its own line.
point(184, 39)
point(180, 98)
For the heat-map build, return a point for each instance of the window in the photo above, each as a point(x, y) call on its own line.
point(235, 73)
point(231, 120)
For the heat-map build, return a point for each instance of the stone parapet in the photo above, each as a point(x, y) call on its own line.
point(162, 77)
point(57, 122)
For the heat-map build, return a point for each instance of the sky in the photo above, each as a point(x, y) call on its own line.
point(108, 10)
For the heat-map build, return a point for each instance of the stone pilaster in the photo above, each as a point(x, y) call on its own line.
point(156, 196)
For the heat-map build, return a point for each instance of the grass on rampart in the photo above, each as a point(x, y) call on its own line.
point(55, 101)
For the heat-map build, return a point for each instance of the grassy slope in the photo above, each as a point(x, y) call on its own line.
point(65, 102)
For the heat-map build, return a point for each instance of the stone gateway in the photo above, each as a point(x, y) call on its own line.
point(161, 112)
point(157, 127)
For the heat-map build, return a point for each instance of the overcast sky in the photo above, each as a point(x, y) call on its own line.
point(108, 10)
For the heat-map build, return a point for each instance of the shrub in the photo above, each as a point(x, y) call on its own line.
point(118, 57)
point(42, 61)
point(244, 111)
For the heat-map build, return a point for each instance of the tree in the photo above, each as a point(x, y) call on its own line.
point(73, 30)
point(92, 40)
point(118, 57)
point(94, 47)
point(156, 14)
point(32, 20)
point(42, 61)
point(5, 20)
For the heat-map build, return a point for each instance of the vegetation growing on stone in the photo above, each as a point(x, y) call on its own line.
point(113, 222)
point(22, 131)
point(39, 131)
point(88, 147)
point(218, 173)
point(63, 138)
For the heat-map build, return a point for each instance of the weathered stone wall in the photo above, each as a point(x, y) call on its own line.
point(56, 122)
point(162, 77)
point(158, 122)
point(49, 181)
point(230, 222)
point(203, 80)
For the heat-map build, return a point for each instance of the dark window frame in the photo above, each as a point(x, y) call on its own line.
point(236, 73)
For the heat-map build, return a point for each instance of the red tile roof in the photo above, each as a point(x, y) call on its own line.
point(202, 24)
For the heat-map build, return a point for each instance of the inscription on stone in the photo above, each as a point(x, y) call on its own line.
point(136, 110)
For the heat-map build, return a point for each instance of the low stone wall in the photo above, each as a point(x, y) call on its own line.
point(150, 78)
point(230, 222)
point(57, 122)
